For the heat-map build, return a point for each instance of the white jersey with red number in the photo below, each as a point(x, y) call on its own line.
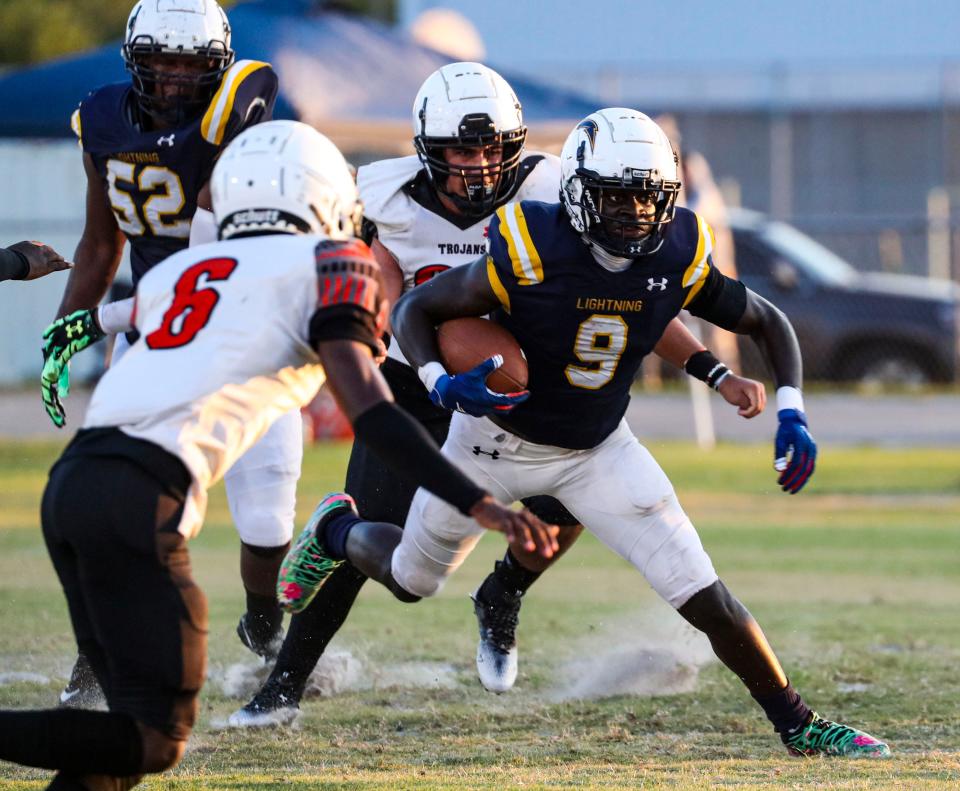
point(226, 332)
point(425, 238)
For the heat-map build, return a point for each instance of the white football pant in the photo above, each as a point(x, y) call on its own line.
point(617, 491)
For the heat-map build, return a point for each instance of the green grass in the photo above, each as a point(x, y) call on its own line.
point(856, 582)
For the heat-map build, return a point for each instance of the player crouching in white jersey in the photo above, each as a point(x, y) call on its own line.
point(232, 335)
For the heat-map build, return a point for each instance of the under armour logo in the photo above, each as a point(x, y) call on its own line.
point(74, 328)
point(166, 141)
point(662, 284)
point(492, 454)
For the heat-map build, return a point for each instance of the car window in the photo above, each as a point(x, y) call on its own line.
point(811, 256)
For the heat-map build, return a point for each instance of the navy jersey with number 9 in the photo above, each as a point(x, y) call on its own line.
point(583, 328)
point(152, 179)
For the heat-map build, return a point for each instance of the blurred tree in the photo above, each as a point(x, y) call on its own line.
point(36, 30)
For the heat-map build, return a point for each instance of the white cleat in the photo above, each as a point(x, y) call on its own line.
point(275, 705)
point(497, 655)
point(249, 717)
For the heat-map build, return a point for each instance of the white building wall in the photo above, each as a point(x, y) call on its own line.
point(43, 196)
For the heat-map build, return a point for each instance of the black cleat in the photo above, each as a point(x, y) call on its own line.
point(263, 643)
point(497, 649)
point(276, 704)
point(82, 690)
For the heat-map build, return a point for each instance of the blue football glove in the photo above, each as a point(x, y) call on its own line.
point(61, 340)
point(794, 451)
point(468, 392)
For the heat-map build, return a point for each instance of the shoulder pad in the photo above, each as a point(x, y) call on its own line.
point(98, 118)
point(701, 239)
point(512, 246)
point(381, 190)
point(77, 126)
point(347, 274)
point(246, 96)
point(543, 182)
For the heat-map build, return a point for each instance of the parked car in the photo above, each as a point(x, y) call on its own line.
point(852, 326)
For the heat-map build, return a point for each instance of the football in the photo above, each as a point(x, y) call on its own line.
point(465, 343)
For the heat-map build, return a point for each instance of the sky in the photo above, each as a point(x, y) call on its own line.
point(688, 32)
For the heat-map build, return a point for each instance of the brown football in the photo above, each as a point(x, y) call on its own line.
point(465, 343)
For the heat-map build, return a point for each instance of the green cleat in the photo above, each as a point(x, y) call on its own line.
point(822, 737)
point(308, 565)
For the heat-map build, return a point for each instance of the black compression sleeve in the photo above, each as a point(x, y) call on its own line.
point(721, 301)
point(412, 454)
point(13, 265)
point(343, 323)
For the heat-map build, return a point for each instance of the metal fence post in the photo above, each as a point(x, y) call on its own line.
point(938, 233)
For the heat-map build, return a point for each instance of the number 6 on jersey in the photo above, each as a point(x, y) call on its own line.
point(198, 304)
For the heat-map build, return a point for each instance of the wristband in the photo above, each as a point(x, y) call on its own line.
point(707, 368)
point(429, 373)
point(789, 398)
point(24, 265)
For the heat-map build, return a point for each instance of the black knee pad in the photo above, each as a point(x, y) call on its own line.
point(401, 593)
point(265, 552)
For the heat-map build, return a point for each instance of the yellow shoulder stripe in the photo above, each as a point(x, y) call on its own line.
point(76, 126)
point(497, 285)
point(696, 274)
point(524, 256)
point(214, 122)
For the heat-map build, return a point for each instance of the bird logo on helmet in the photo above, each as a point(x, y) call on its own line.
point(469, 106)
point(619, 181)
point(177, 52)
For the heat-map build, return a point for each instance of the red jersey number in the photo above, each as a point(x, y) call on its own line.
point(197, 304)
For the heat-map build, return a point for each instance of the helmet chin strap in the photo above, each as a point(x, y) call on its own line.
point(609, 261)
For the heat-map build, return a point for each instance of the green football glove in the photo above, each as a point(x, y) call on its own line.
point(61, 340)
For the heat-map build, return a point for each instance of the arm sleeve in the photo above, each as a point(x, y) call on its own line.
point(349, 294)
point(13, 265)
point(721, 301)
point(117, 317)
point(203, 228)
point(412, 454)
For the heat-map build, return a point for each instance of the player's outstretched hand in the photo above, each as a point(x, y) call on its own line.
point(468, 392)
point(61, 340)
point(42, 259)
point(794, 451)
point(748, 395)
point(522, 529)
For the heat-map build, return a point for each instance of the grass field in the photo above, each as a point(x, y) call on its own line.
point(856, 581)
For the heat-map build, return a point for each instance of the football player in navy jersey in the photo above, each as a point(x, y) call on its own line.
point(149, 147)
point(431, 212)
point(587, 286)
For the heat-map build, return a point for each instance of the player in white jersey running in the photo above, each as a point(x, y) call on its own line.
point(431, 212)
point(232, 335)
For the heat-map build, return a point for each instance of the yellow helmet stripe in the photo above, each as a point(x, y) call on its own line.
point(214, 122)
point(497, 285)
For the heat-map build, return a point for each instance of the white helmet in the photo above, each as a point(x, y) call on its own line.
point(195, 29)
point(465, 105)
point(284, 177)
point(623, 150)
